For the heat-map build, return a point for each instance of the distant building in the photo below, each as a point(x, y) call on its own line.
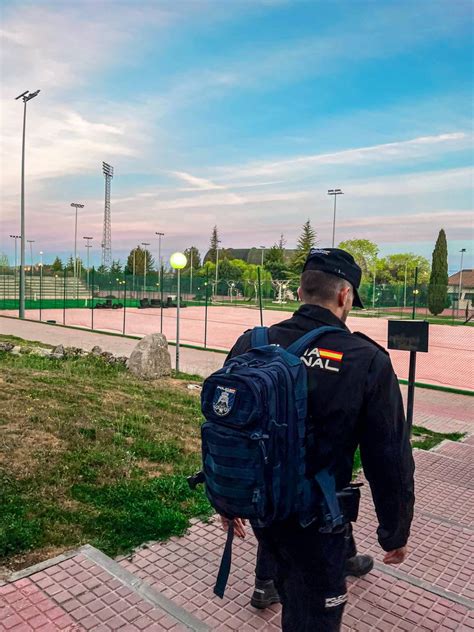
point(467, 289)
point(249, 255)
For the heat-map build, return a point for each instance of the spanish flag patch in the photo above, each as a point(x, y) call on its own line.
point(331, 355)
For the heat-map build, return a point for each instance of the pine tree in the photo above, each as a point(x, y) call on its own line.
point(438, 286)
point(275, 260)
point(139, 255)
point(57, 265)
point(116, 268)
point(306, 241)
point(70, 264)
point(213, 246)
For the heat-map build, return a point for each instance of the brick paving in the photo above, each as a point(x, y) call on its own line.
point(78, 594)
point(432, 590)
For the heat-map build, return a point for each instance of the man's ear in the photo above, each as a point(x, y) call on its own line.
point(342, 296)
point(298, 291)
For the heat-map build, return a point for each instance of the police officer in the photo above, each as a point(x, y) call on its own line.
point(354, 400)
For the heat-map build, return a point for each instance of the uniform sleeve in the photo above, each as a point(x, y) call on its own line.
point(386, 454)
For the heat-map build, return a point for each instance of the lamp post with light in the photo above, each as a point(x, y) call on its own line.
point(41, 284)
point(31, 242)
point(145, 244)
point(334, 193)
point(462, 251)
point(25, 97)
point(178, 261)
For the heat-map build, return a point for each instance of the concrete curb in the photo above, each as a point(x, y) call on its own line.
point(140, 587)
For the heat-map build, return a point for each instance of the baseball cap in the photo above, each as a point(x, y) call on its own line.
point(338, 262)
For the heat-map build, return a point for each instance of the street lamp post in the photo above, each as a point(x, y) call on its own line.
point(76, 206)
point(88, 246)
point(144, 243)
point(160, 235)
point(217, 265)
point(191, 273)
point(31, 242)
point(405, 288)
point(15, 237)
point(178, 261)
point(25, 96)
point(334, 193)
point(462, 251)
point(263, 253)
point(41, 284)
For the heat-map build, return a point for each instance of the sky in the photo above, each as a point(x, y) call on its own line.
point(240, 114)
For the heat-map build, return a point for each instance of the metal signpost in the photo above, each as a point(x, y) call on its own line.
point(412, 336)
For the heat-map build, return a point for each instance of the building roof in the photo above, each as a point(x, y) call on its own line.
point(467, 279)
point(251, 255)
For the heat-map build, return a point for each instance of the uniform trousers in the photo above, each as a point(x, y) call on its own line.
point(308, 573)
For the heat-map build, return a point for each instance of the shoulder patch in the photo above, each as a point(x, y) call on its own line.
point(359, 334)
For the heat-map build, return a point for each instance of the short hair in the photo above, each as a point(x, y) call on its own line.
point(321, 287)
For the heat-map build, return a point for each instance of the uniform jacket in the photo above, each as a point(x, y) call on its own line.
point(354, 400)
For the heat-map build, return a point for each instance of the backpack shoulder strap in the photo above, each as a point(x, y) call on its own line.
point(259, 337)
point(303, 343)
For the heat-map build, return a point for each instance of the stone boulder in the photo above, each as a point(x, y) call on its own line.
point(42, 352)
point(150, 359)
point(58, 353)
point(6, 346)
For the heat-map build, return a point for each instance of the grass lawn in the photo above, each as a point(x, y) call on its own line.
point(89, 453)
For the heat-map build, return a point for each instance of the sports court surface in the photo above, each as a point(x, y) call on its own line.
point(449, 361)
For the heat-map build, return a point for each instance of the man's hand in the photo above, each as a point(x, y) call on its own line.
point(397, 556)
point(239, 526)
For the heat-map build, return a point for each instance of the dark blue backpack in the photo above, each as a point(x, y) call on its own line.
point(253, 441)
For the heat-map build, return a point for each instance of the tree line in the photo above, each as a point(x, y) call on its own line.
point(279, 263)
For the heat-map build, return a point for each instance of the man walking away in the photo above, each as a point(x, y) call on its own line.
point(353, 400)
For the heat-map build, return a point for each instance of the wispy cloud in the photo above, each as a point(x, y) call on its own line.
point(397, 151)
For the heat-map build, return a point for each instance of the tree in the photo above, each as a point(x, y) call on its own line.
point(138, 255)
point(438, 286)
point(70, 264)
point(365, 253)
point(116, 268)
point(213, 246)
point(306, 241)
point(394, 267)
point(274, 260)
point(195, 258)
point(57, 265)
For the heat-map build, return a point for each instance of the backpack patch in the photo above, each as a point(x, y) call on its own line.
point(223, 402)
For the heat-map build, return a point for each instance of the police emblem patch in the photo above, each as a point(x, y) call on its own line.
point(223, 401)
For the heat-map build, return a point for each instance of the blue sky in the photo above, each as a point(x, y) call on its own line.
point(240, 114)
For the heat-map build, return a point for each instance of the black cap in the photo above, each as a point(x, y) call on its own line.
point(338, 262)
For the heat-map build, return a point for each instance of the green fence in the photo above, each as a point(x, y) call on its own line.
point(93, 290)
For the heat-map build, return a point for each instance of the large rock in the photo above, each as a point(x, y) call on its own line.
point(150, 358)
point(43, 352)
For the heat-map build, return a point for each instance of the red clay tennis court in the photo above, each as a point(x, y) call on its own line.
point(449, 361)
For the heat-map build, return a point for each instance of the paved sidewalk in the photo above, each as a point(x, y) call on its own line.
point(87, 591)
point(168, 586)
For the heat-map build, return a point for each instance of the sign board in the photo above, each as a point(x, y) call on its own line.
point(408, 335)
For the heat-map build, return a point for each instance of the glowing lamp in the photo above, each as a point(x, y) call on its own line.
point(178, 260)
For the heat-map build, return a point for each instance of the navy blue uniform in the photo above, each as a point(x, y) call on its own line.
point(354, 400)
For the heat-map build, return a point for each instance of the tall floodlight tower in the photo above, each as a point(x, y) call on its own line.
point(108, 172)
